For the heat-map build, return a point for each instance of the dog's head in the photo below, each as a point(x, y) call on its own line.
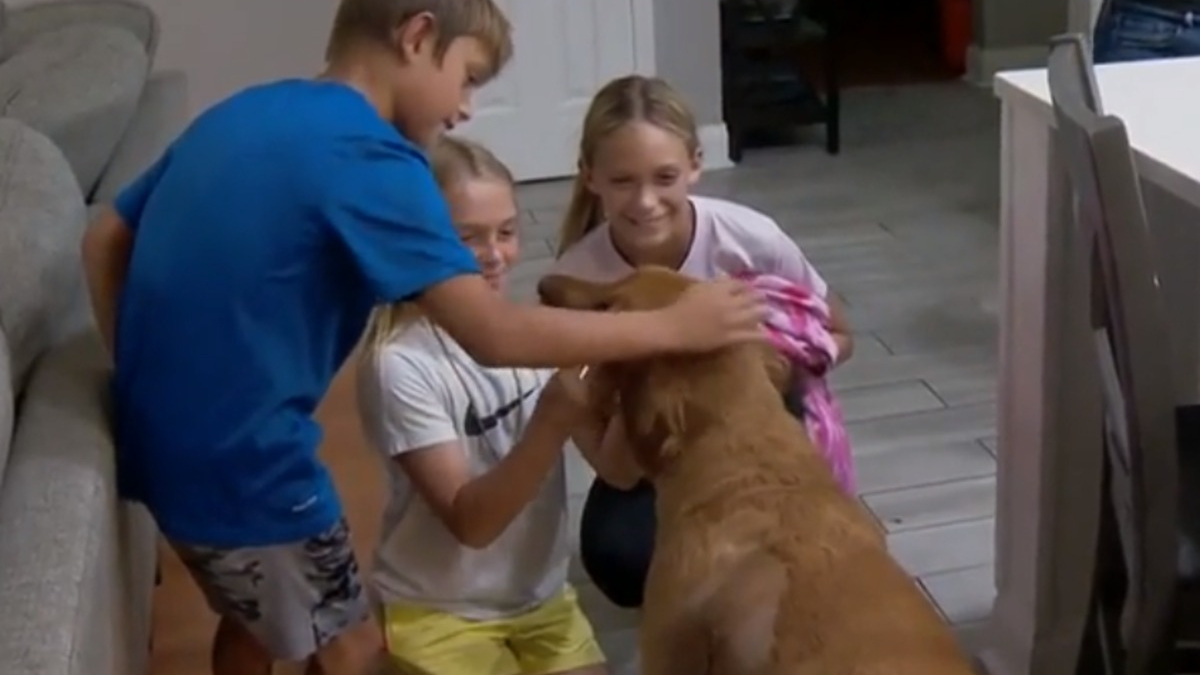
point(660, 397)
point(649, 287)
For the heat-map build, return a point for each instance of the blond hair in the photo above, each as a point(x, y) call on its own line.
point(376, 20)
point(454, 160)
point(634, 98)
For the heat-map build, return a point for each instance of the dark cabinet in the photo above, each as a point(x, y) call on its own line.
point(765, 46)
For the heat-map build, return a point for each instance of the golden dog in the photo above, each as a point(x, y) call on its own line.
point(762, 565)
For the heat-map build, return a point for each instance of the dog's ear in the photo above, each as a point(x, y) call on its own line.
point(657, 436)
point(559, 290)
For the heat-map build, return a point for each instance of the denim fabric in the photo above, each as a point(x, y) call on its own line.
point(1136, 31)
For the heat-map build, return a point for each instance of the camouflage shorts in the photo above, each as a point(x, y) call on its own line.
point(294, 598)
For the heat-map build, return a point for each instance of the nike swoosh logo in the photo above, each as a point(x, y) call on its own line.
point(474, 425)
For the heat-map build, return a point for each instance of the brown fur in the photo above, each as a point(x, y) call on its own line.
point(762, 565)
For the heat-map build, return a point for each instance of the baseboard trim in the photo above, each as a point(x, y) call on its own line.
point(714, 142)
point(983, 63)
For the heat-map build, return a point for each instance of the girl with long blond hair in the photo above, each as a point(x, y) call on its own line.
point(639, 156)
point(471, 567)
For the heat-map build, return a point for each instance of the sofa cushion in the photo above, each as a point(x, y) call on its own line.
point(79, 85)
point(28, 20)
point(77, 568)
point(161, 117)
point(42, 218)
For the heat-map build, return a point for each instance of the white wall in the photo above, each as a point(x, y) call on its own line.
point(1014, 33)
point(224, 45)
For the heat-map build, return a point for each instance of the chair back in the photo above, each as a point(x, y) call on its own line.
point(1131, 340)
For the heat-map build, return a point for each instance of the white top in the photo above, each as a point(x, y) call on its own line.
point(729, 239)
point(419, 391)
point(1157, 100)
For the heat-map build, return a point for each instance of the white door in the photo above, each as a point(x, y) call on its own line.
point(565, 50)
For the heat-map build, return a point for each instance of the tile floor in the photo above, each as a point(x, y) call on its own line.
point(903, 226)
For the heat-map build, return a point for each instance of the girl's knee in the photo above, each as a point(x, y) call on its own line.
point(617, 572)
point(617, 541)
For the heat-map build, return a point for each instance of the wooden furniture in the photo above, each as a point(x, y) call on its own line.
point(764, 87)
point(1052, 473)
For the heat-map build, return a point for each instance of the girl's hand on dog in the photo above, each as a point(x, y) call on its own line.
point(564, 401)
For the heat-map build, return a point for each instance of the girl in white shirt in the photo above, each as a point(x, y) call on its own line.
point(639, 157)
point(471, 568)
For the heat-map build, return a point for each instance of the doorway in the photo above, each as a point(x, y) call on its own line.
point(565, 50)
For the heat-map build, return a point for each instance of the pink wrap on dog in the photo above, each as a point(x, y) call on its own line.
point(798, 326)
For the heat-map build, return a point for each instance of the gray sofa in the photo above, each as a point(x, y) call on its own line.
point(81, 115)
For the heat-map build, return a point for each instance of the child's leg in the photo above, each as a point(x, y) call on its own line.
point(291, 602)
point(555, 639)
point(616, 540)
point(423, 641)
point(236, 652)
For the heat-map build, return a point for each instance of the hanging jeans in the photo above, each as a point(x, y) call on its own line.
point(1135, 31)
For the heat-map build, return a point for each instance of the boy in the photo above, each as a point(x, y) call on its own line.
point(233, 278)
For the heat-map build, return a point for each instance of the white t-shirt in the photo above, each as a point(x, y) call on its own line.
point(419, 391)
point(729, 239)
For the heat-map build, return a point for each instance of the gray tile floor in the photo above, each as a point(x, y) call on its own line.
point(903, 226)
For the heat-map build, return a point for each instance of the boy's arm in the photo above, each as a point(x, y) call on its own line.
point(422, 440)
point(497, 332)
point(384, 208)
point(108, 244)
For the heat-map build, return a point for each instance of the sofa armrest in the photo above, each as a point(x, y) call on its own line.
point(76, 564)
point(26, 22)
point(161, 115)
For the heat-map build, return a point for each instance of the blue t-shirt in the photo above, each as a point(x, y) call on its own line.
point(262, 239)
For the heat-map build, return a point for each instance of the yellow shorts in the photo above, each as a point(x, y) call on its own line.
point(552, 638)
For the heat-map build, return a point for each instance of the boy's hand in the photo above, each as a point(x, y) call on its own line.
point(715, 314)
